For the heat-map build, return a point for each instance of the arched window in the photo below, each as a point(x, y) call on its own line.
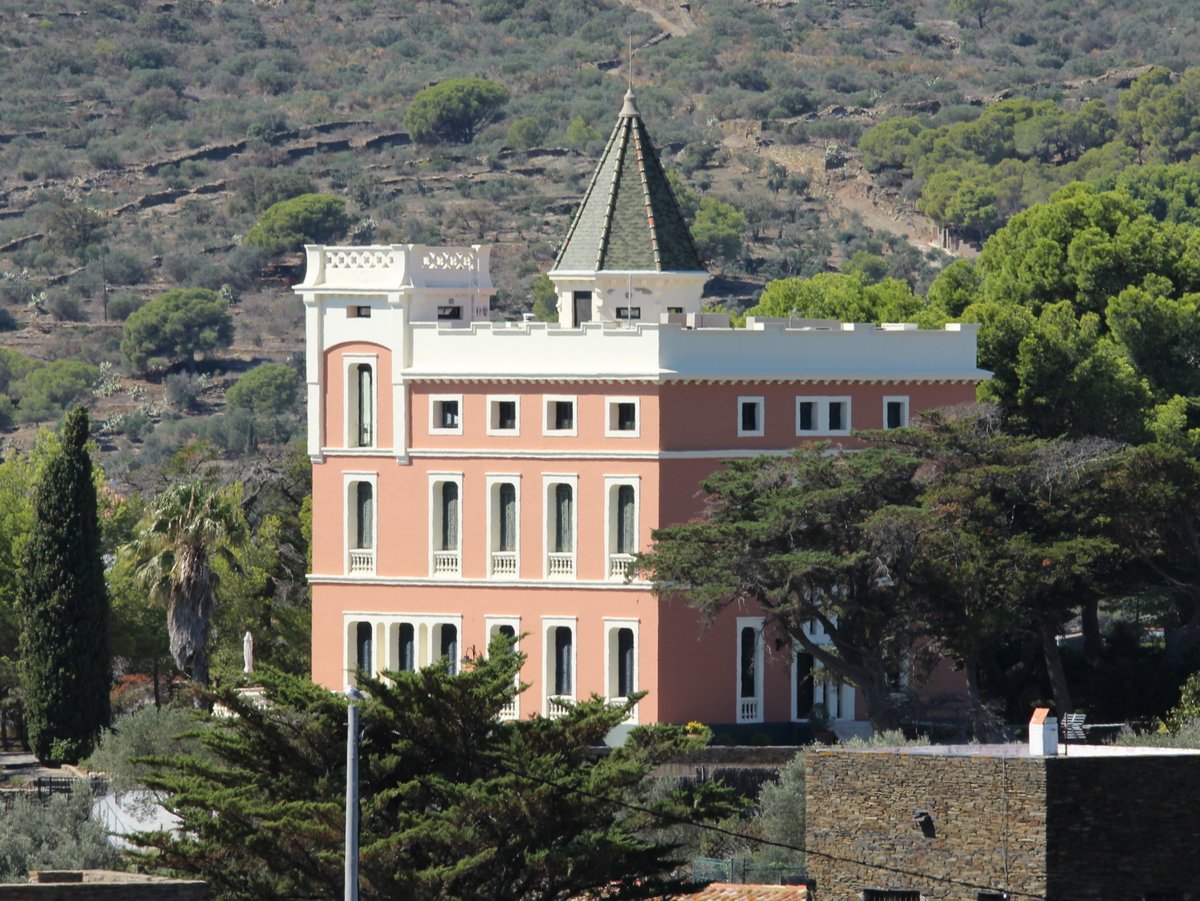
point(506, 539)
point(366, 406)
point(406, 648)
point(625, 686)
point(363, 647)
point(626, 520)
point(747, 681)
point(448, 645)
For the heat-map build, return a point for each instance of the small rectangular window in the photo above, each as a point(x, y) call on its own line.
point(808, 416)
point(506, 414)
point(449, 312)
point(626, 417)
point(564, 415)
point(895, 412)
point(837, 416)
point(359, 312)
point(750, 416)
point(674, 309)
point(629, 313)
point(445, 414)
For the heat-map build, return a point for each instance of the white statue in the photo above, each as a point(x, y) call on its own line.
point(248, 653)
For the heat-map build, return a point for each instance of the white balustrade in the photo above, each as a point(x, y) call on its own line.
point(504, 563)
point(748, 710)
point(562, 566)
point(620, 566)
point(445, 563)
point(557, 705)
point(362, 561)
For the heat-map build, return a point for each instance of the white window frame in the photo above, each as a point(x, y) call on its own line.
point(512, 711)
point(612, 625)
point(548, 420)
point(827, 687)
point(435, 409)
point(549, 659)
point(493, 482)
point(612, 417)
point(434, 523)
point(761, 403)
point(757, 623)
point(549, 481)
point(350, 399)
point(822, 410)
point(901, 399)
point(350, 515)
point(611, 486)
point(492, 401)
point(797, 650)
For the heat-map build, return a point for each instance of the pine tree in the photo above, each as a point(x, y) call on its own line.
point(456, 803)
point(63, 606)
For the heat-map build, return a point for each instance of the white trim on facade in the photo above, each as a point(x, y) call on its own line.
point(359, 561)
point(491, 626)
point(760, 416)
point(492, 415)
point(502, 564)
point(612, 417)
point(821, 415)
point(385, 638)
point(610, 643)
point(444, 563)
point(554, 563)
point(437, 404)
point(901, 399)
point(548, 418)
point(750, 709)
point(350, 389)
point(617, 564)
point(549, 623)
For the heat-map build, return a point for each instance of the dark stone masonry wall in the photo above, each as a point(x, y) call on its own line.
point(1079, 829)
point(1123, 827)
point(987, 813)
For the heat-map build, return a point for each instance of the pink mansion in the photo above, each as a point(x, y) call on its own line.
point(474, 478)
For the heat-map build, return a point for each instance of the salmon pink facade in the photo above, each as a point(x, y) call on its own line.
point(474, 478)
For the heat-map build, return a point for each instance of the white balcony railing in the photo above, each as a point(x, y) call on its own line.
point(561, 566)
point(620, 566)
point(445, 563)
point(510, 711)
point(504, 563)
point(557, 705)
point(749, 710)
point(362, 561)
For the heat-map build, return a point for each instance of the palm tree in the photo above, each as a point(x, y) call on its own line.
point(187, 527)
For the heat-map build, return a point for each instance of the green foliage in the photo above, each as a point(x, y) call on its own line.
point(270, 389)
point(122, 752)
point(188, 527)
point(457, 803)
point(846, 297)
point(288, 225)
point(59, 835)
point(73, 228)
point(718, 230)
point(50, 388)
point(525, 133)
point(63, 606)
point(175, 326)
point(781, 812)
point(453, 111)
point(579, 135)
point(545, 300)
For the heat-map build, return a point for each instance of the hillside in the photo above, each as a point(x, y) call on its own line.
point(178, 123)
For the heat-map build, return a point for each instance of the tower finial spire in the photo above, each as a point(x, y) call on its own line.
point(629, 108)
point(630, 59)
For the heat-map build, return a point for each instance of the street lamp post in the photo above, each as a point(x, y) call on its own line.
point(352, 734)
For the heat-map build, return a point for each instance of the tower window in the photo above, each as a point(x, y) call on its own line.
point(445, 414)
point(750, 416)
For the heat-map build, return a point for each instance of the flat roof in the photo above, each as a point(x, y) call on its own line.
point(1016, 750)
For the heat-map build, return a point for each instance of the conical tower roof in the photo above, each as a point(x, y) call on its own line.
point(629, 218)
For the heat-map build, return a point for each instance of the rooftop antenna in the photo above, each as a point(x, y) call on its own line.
point(631, 59)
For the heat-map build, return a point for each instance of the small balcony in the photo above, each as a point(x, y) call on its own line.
point(362, 562)
point(561, 566)
point(510, 711)
point(504, 564)
point(445, 563)
point(749, 710)
point(620, 567)
point(557, 705)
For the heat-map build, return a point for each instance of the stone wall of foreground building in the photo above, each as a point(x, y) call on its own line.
point(955, 823)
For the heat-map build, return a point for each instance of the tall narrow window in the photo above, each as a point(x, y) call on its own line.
point(626, 520)
point(363, 647)
point(837, 416)
point(581, 307)
point(507, 502)
point(448, 645)
point(449, 531)
point(366, 418)
point(406, 641)
point(562, 660)
point(625, 686)
point(563, 541)
point(747, 681)
point(751, 412)
point(803, 670)
point(895, 412)
point(364, 517)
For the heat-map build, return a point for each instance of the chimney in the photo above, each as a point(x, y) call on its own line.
point(1043, 734)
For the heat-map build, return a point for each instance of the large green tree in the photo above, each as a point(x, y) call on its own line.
point(288, 225)
point(187, 526)
point(175, 326)
point(456, 802)
point(453, 111)
point(817, 535)
point(63, 606)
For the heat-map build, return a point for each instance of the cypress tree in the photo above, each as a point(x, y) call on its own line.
point(63, 606)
